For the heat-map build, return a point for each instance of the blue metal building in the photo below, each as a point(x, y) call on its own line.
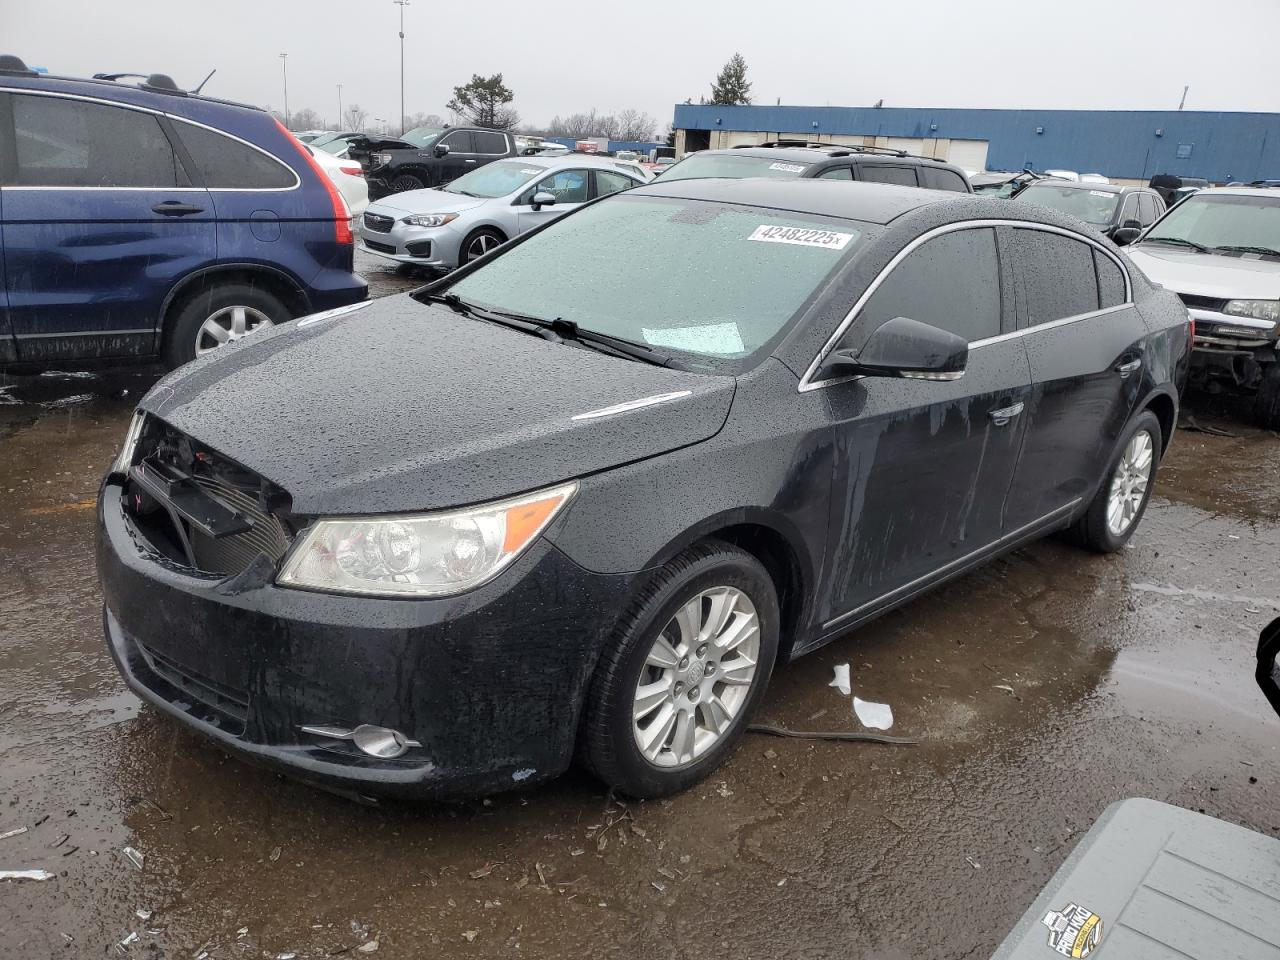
point(1129, 144)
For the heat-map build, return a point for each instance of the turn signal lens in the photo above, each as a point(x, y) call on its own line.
point(424, 555)
point(125, 458)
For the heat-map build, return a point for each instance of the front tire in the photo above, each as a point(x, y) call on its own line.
point(688, 665)
point(218, 315)
point(1122, 499)
point(406, 182)
point(478, 243)
point(1266, 403)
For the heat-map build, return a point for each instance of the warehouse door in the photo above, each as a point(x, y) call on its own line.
point(968, 154)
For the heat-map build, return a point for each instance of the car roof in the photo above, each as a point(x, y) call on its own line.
point(869, 202)
point(1084, 185)
point(566, 160)
point(1269, 192)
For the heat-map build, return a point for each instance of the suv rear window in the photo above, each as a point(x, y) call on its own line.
point(940, 178)
point(486, 142)
point(883, 173)
point(230, 164)
point(73, 143)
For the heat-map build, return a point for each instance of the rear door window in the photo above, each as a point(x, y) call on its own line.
point(940, 178)
point(489, 143)
point(608, 182)
point(1057, 274)
point(885, 173)
point(229, 164)
point(951, 282)
point(73, 143)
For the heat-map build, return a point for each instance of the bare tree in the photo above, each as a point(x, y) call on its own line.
point(423, 120)
point(635, 125)
point(305, 119)
point(354, 118)
point(627, 125)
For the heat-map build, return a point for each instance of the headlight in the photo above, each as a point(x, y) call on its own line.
point(1258, 309)
point(379, 159)
point(424, 555)
point(430, 219)
point(125, 460)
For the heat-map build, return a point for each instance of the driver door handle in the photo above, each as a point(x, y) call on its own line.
point(176, 208)
point(1128, 367)
point(1002, 415)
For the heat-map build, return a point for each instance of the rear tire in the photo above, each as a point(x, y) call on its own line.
point(237, 308)
point(405, 182)
point(1122, 499)
point(688, 665)
point(1266, 403)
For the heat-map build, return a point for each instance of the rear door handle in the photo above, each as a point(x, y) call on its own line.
point(1128, 367)
point(1002, 415)
point(468, 161)
point(176, 208)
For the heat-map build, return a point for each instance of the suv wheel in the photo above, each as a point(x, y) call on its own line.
point(690, 662)
point(1122, 499)
point(1266, 403)
point(406, 181)
point(220, 315)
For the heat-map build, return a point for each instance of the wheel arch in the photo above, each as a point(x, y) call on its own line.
point(1165, 406)
point(277, 281)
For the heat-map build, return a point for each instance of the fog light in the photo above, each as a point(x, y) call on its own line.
point(380, 742)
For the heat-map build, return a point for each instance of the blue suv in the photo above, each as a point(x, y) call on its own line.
point(144, 222)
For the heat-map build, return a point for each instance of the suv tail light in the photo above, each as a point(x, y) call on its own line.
point(341, 212)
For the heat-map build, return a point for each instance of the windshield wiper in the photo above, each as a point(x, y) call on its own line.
point(1244, 248)
point(513, 321)
point(618, 346)
point(1179, 242)
point(463, 192)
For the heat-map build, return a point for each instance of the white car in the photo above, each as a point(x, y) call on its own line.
point(348, 177)
point(633, 167)
point(445, 228)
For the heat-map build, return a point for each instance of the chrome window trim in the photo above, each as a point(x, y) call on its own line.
point(58, 94)
point(807, 383)
point(628, 405)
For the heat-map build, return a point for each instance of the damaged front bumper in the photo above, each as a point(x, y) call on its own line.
point(487, 686)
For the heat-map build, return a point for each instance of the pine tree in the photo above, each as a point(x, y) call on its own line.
point(732, 86)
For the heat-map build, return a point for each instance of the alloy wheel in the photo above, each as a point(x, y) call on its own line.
point(228, 325)
point(697, 677)
point(481, 245)
point(1129, 483)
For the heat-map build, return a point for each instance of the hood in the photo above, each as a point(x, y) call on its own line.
point(425, 201)
point(398, 407)
point(1183, 270)
point(381, 143)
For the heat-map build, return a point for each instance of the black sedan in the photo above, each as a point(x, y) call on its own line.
point(1118, 212)
point(582, 496)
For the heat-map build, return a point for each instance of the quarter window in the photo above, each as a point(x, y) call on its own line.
point(1058, 276)
point(1110, 281)
point(1147, 212)
point(490, 143)
point(231, 165)
point(72, 143)
point(939, 178)
point(836, 173)
point(951, 281)
point(882, 173)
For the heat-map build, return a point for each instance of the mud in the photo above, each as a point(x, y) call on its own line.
point(1044, 686)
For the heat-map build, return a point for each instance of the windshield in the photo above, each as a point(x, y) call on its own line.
point(335, 146)
point(732, 277)
point(1092, 206)
point(1223, 223)
point(731, 165)
point(421, 136)
point(495, 179)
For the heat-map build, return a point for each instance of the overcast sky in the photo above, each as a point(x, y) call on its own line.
point(571, 56)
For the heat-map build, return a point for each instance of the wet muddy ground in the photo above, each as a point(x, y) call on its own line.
point(1044, 686)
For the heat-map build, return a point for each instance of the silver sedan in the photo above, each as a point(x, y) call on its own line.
point(444, 228)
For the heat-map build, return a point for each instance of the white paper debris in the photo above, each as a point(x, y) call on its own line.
point(1004, 686)
point(25, 875)
point(841, 679)
point(12, 833)
point(133, 856)
point(877, 716)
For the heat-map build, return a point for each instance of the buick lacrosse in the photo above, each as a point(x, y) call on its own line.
point(582, 497)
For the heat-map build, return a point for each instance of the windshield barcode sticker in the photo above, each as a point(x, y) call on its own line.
point(788, 167)
point(802, 236)
point(533, 173)
point(1101, 193)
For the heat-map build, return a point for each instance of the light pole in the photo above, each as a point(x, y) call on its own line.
point(401, 4)
point(339, 106)
point(284, 72)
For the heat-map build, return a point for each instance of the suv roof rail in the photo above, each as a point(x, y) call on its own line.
point(152, 82)
point(838, 149)
point(14, 67)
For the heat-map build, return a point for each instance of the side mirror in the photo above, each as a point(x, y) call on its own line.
point(441, 149)
point(1123, 236)
point(902, 347)
point(543, 199)
point(1268, 668)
